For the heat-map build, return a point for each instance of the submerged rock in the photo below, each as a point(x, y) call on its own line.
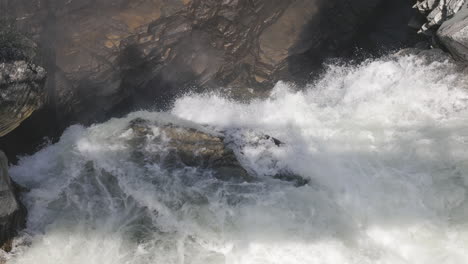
point(295, 179)
point(12, 213)
point(21, 93)
point(185, 147)
point(179, 147)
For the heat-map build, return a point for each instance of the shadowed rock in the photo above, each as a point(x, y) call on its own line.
point(12, 213)
point(103, 55)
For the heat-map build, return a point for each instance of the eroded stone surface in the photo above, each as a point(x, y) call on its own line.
point(185, 147)
point(21, 93)
point(454, 34)
point(437, 11)
point(105, 54)
point(448, 22)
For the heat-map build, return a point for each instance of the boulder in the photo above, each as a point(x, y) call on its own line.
point(185, 147)
point(437, 11)
point(447, 21)
point(453, 34)
point(21, 93)
point(12, 213)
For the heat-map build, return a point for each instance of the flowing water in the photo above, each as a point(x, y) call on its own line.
point(384, 145)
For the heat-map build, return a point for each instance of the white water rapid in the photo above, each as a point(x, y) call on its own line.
point(384, 145)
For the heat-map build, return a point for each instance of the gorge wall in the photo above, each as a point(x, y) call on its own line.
point(106, 58)
point(104, 55)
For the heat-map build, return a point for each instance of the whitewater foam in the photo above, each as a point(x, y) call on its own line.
point(384, 145)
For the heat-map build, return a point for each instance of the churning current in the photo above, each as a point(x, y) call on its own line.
point(383, 145)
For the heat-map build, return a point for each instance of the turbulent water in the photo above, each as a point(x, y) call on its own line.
point(384, 145)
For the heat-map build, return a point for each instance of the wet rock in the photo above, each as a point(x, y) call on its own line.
point(21, 93)
point(186, 147)
point(106, 58)
point(105, 55)
point(453, 34)
point(295, 179)
point(437, 12)
point(12, 213)
point(277, 142)
point(447, 22)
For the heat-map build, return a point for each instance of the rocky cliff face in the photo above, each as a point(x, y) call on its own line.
point(21, 93)
point(105, 58)
point(105, 54)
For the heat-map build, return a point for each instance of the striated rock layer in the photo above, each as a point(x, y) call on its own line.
point(453, 34)
point(21, 93)
point(437, 11)
point(449, 22)
point(103, 55)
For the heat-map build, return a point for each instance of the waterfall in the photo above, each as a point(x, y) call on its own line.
point(383, 146)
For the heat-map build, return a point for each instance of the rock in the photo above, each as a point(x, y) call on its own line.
point(21, 93)
point(12, 212)
point(453, 34)
point(106, 58)
point(287, 176)
point(447, 21)
point(437, 11)
point(276, 141)
point(104, 55)
point(15, 46)
point(186, 147)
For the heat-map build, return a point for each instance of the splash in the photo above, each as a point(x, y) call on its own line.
point(383, 145)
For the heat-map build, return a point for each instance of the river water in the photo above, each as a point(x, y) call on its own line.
point(384, 145)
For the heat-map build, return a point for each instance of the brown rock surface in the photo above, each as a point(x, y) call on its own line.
point(185, 146)
point(104, 54)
